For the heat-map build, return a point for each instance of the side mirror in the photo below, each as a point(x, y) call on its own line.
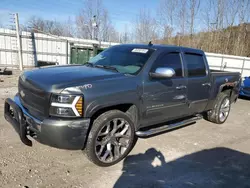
point(162, 73)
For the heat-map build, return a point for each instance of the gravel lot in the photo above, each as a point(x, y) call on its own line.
point(200, 155)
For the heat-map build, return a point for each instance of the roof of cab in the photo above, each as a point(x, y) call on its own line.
point(161, 46)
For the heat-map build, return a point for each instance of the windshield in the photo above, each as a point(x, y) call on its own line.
point(125, 59)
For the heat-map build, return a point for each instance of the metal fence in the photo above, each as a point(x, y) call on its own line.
point(37, 47)
point(229, 63)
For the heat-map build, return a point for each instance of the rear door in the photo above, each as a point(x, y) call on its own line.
point(198, 82)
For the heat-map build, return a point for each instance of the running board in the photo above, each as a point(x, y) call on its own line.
point(164, 128)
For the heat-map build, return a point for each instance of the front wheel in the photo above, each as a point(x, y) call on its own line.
point(220, 112)
point(111, 138)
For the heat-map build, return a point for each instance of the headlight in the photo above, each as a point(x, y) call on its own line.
point(66, 106)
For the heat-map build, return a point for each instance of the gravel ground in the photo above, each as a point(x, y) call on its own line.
point(200, 155)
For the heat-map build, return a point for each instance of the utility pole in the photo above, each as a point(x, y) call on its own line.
point(19, 45)
point(94, 27)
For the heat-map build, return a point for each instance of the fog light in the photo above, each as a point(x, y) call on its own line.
point(62, 111)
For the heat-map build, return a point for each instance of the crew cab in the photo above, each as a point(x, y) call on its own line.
point(125, 92)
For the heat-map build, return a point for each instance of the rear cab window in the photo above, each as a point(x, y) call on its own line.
point(196, 66)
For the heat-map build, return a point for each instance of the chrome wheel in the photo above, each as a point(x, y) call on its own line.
point(224, 110)
point(113, 140)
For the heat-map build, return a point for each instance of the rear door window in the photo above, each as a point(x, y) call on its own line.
point(195, 65)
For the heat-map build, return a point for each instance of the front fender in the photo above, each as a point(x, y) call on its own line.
point(114, 92)
point(112, 101)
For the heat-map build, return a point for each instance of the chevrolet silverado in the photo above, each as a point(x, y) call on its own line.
point(125, 92)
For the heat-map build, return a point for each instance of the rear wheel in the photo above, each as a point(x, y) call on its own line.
point(111, 138)
point(220, 112)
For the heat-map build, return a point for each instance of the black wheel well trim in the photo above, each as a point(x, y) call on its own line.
point(129, 108)
point(226, 87)
point(231, 90)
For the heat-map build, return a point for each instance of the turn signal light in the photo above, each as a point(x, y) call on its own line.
point(79, 106)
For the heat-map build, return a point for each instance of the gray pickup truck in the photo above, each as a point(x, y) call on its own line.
point(125, 92)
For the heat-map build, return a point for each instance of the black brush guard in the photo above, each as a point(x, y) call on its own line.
point(14, 115)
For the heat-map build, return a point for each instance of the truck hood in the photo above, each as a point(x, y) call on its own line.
point(56, 78)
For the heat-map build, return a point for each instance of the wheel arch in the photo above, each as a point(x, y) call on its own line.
point(230, 91)
point(129, 108)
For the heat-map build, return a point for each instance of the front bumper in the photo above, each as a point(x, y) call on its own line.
point(64, 134)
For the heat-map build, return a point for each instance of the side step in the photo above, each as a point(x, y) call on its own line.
point(164, 128)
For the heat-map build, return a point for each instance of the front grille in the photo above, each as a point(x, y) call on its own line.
point(34, 99)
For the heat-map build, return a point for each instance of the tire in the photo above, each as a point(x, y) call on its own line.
point(215, 115)
point(103, 131)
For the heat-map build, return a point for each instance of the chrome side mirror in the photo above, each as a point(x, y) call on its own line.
point(163, 73)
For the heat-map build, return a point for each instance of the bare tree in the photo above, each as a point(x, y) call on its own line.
point(243, 18)
point(47, 26)
point(244, 11)
point(194, 6)
point(168, 13)
point(182, 16)
point(218, 33)
point(94, 12)
point(114, 36)
point(69, 29)
point(125, 36)
point(217, 18)
point(105, 27)
point(232, 8)
point(85, 18)
point(145, 27)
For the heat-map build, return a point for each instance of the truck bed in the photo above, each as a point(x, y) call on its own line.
point(223, 73)
point(218, 78)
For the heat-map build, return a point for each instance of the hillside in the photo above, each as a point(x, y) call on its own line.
point(233, 40)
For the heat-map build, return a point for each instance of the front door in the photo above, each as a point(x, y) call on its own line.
point(165, 99)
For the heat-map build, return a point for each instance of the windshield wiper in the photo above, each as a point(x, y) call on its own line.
point(106, 67)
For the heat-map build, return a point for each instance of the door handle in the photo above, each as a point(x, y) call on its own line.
point(181, 87)
point(206, 84)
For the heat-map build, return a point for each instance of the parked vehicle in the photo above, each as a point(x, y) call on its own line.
point(245, 87)
point(125, 92)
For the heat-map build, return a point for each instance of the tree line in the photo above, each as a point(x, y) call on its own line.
point(219, 26)
point(80, 26)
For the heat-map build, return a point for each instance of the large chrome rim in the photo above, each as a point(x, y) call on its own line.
point(113, 140)
point(224, 110)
